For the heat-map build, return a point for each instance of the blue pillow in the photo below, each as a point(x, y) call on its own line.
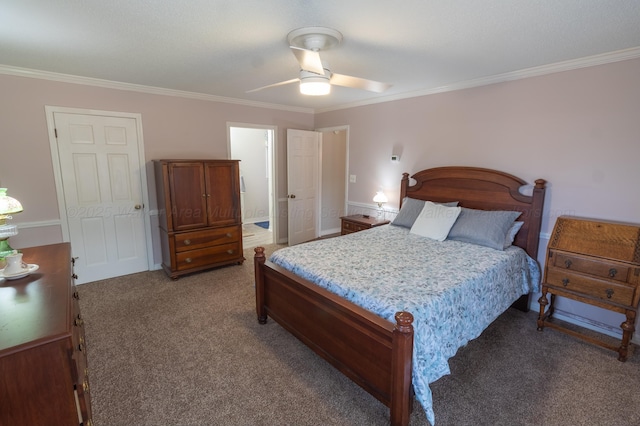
point(483, 227)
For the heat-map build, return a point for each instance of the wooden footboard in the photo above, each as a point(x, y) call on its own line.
point(374, 353)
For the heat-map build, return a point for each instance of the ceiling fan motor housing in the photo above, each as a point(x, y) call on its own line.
point(314, 38)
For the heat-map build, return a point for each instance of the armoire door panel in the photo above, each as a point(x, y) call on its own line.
point(222, 186)
point(188, 196)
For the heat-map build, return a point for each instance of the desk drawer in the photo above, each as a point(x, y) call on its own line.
point(591, 266)
point(208, 256)
point(608, 291)
point(206, 238)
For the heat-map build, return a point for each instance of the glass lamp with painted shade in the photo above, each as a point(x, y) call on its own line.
point(380, 199)
point(8, 206)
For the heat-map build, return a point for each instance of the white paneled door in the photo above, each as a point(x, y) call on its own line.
point(303, 164)
point(103, 198)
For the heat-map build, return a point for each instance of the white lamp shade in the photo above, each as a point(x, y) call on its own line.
point(380, 198)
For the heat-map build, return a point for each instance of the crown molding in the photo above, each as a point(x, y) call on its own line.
point(589, 61)
point(108, 84)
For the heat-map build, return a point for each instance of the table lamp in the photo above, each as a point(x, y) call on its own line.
point(380, 198)
point(8, 206)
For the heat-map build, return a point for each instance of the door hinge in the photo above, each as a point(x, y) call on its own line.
point(55, 131)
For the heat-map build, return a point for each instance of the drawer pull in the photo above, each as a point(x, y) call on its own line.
point(612, 272)
point(230, 251)
point(228, 234)
point(86, 372)
point(609, 293)
point(187, 242)
point(81, 347)
point(85, 386)
point(76, 295)
point(74, 276)
point(565, 281)
point(567, 263)
point(188, 260)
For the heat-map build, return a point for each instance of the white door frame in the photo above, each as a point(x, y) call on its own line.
point(273, 196)
point(57, 173)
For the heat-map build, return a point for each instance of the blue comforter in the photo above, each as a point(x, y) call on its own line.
point(453, 289)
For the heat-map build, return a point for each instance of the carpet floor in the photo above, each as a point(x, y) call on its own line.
point(191, 352)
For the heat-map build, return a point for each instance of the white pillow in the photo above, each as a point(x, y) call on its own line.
point(435, 221)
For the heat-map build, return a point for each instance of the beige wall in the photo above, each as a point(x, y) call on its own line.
point(579, 130)
point(173, 127)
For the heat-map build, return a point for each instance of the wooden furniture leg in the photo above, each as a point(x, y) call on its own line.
point(543, 304)
point(628, 328)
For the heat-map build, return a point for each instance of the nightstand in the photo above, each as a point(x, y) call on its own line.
point(594, 262)
point(358, 222)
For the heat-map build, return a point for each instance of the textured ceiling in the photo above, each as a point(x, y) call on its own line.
point(224, 48)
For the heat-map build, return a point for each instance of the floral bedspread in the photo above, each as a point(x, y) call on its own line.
point(453, 289)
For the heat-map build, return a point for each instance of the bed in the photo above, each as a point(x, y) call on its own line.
point(364, 338)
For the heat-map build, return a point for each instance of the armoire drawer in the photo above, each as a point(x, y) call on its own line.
point(208, 256)
point(206, 238)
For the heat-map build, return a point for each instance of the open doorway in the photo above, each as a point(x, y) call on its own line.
point(253, 146)
point(335, 159)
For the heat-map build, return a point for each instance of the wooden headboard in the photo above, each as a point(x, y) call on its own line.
point(483, 189)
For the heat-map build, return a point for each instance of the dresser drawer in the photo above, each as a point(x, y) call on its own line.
point(208, 256)
point(206, 238)
point(605, 290)
point(591, 266)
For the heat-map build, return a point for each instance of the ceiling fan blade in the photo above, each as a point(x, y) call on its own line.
point(282, 83)
point(309, 60)
point(358, 83)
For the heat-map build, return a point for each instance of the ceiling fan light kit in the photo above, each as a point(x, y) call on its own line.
point(315, 77)
point(314, 84)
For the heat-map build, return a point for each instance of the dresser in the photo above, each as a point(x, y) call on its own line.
point(199, 214)
point(358, 222)
point(43, 362)
point(594, 262)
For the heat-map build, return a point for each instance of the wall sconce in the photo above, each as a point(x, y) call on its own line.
point(8, 206)
point(380, 199)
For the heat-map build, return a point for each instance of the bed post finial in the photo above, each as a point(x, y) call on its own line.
point(404, 322)
point(540, 183)
point(259, 254)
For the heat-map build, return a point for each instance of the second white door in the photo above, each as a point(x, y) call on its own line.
point(303, 184)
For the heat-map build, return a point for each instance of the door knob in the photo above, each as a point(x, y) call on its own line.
point(137, 207)
point(292, 196)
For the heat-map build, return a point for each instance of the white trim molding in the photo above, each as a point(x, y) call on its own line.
point(589, 61)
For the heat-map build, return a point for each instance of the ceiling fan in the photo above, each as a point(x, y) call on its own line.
point(315, 76)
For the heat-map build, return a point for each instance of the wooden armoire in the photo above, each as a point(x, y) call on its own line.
point(199, 214)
